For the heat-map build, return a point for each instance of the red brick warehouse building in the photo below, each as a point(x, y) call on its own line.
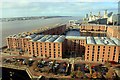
point(49, 43)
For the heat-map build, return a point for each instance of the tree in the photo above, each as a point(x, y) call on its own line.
point(111, 74)
point(90, 69)
point(107, 64)
point(99, 75)
point(94, 75)
point(73, 74)
point(79, 74)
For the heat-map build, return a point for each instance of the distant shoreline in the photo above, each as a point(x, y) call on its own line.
point(28, 18)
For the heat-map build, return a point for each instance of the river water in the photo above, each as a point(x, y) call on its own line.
point(15, 27)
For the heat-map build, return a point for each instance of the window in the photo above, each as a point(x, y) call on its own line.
point(41, 46)
point(54, 55)
point(50, 55)
point(45, 48)
point(58, 55)
point(97, 59)
point(98, 52)
point(32, 44)
point(45, 51)
point(103, 52)
point(87, 57)
point(87, 54)
point(58, 52)
point(54, 45)
point(98, 47)
point(92, 58)
point(103, 55)
point(104, 47)
point(97, 56)
point(41, 54)
point(36, 44)
point(114, 57)
point(114, 49)
point(102, 60)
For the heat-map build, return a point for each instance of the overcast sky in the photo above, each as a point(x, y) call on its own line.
point(58, 8)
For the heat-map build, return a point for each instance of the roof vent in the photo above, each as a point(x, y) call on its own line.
point(106, 42)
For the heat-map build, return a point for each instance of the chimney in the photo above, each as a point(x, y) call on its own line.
point(99, 14)
point(90, 14)
point(105, 14)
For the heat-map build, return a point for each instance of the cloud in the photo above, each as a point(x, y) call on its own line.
point(60, 0)
point(14, 4)
point(11, 9)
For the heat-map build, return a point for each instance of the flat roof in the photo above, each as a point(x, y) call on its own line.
point(115, 40)
point(114, 27)
point(52, 39)
point(98, 41)
point(90, 40)
point(75, 37)
point(103, 41)
point(17, 35)
point(49, 38)
point(43, 39)
point(31, 36)
point(94, 24)
point(60, 39)
point(37, 37)
point(73, 33)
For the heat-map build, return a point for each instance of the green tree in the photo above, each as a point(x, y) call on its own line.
point(90, 69)
point(79, 74)
point(72, 74)
point(111, 74)
point(107, 64)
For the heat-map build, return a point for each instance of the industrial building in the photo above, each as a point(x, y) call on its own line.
point(98, 47)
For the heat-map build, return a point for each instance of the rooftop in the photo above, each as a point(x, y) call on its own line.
point(48, 38)
point(90, 40)
point(115, 27)
point(116, 41)
point(73, 33)
point(17, 35)
point(103, 41)
point(31, 36)
point(94, 24)
point(75, 37)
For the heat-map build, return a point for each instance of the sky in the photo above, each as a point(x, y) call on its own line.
point(24, 8)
